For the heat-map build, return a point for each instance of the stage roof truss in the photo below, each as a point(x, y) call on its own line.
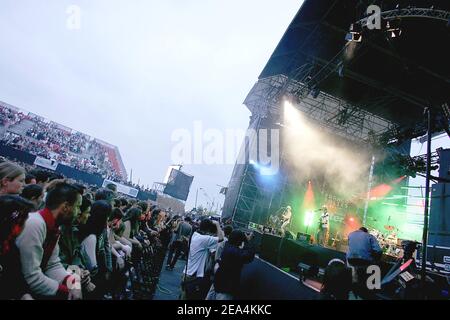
point(411, 12)
point(336, 115)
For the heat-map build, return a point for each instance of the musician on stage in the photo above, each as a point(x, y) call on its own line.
point(324, 226)
point(286, 219)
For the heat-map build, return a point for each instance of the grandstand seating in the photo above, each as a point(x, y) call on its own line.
point(29, 132)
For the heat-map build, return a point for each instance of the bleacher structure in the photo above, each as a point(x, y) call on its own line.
point(17, 122)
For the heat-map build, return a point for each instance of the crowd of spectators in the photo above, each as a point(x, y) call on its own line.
point(60, 239)
point(64, 240)
point(51, 134)
point(10, 117)
point(51, 141)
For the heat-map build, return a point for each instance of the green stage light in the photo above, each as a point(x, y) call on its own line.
point(390, 204)
point(309, 218)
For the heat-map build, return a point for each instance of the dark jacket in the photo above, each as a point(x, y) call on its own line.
point(12, 282)
point(69, 248)
point(104, 258)
point(228, 275)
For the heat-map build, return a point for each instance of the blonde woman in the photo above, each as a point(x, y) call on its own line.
point(12, 178)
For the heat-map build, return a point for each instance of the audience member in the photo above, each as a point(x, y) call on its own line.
point(337, 281)
point(195, 284)
point(13, 213)
point(34, 193)
point(12, 178)
point(38, 245)
point(182, 232)
point(231, 262)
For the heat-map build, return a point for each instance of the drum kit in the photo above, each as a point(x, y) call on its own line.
point(389, 241)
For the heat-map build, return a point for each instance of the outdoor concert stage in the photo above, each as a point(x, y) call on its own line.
point(294, 254)
point(365, 98)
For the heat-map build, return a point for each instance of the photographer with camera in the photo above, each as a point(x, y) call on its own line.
point(195, 284)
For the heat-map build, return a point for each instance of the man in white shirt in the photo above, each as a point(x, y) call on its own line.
point(202, 242)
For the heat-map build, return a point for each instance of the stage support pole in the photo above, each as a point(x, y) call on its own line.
point(427, 200)
point(366, 206)
point(196, 197)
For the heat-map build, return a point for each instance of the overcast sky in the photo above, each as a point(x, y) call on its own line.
point(137, 70)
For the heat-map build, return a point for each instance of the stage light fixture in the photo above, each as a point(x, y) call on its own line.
point(309, 218)
point(355, 34)
point(393, 29)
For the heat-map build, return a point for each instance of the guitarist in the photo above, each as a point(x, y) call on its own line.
point(286, 219)
point(324, 226)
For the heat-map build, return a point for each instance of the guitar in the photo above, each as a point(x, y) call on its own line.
point(324, 220)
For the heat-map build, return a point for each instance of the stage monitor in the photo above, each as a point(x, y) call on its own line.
point(178, 185)
point(303, 237)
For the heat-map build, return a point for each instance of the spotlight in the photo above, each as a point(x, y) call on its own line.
point(309, 218)
point(355, 34)
point(393, 29)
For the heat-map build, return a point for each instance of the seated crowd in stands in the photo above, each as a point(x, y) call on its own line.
point(64, 240)
point(10, 117)
point(49, 140)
